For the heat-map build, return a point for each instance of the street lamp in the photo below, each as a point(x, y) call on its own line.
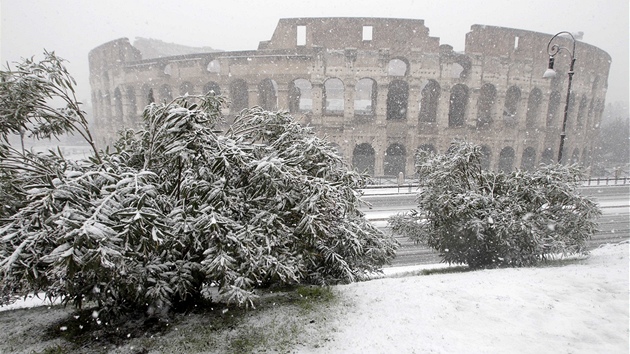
point(552, 50)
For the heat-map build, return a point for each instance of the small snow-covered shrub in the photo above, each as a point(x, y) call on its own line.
point(483, 218)
point(180, 206)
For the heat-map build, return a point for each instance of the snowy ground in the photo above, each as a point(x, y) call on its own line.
point(581, 307)
point(575, 306)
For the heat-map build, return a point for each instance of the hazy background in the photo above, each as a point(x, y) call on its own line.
point(73, 27)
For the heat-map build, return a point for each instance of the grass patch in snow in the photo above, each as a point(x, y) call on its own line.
point(294, 317)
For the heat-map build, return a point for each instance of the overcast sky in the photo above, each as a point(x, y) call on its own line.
point(73, 27)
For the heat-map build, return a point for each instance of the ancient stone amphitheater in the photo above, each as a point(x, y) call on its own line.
point(380, 89)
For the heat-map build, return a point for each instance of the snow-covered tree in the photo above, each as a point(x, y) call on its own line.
point(482, 218)
point(180, 206)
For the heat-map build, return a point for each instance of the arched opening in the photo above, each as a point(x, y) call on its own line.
point(397, 99)
point(365, 98)
point(363, 159)
point(107, 104)
point(333, 97)
point(118, 106)
point(533, 107)
point(394, 161)
point(166, 94)
point(528, 161)
point(239, 95)
point(463, 64)
point(212, 87)
point(552, 108)
point(300, 96)
point(582, 111)
point(547, 157)
point(485, 105)
point(214, 67)
point(575, 157)
point(512, 98)
point(485, 157)
point(457, 105)
point(147, 93)
point(592, 105)
point(397, 67)
point(133, 107)
point(186, 89)
point(429, 101)
point(268, 95)
point(506, 159)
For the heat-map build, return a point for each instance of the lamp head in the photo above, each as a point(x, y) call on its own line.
point(550, 73)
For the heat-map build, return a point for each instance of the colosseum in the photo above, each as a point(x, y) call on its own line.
point(380, 89)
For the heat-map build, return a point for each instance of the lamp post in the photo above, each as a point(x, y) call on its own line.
point(552, 50)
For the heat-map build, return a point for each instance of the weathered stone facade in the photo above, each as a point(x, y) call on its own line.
point(380, 89)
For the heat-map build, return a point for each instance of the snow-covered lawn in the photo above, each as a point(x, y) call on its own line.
point(581, 307)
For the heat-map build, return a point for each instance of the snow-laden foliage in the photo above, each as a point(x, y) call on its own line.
point(180, 206)
point(26, 92)
point(483, 218)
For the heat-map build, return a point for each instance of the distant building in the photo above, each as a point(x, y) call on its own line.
point(379, 89)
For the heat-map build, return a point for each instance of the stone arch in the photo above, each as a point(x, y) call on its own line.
point(582, 111)
point(397, 100)
point(512, 99)
point(485, 105)
point(147, 94)
point(166, 94)
point(429, 101)
point(268, 95)
point(118, 106)
point(398, 67)
point(575, 157)
point(552, 108)
point(363, 158)
point(486, 155)
point(212, 87)
point(131, 99)
point(239, 95)
point(365, 98)
point(394, 161)
point(506, 159)
point(333, 93)
point(533, 107)
point(457, 105)
point(528, 161)
point(300, 96)
point(186, 89)
point(547, 157)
